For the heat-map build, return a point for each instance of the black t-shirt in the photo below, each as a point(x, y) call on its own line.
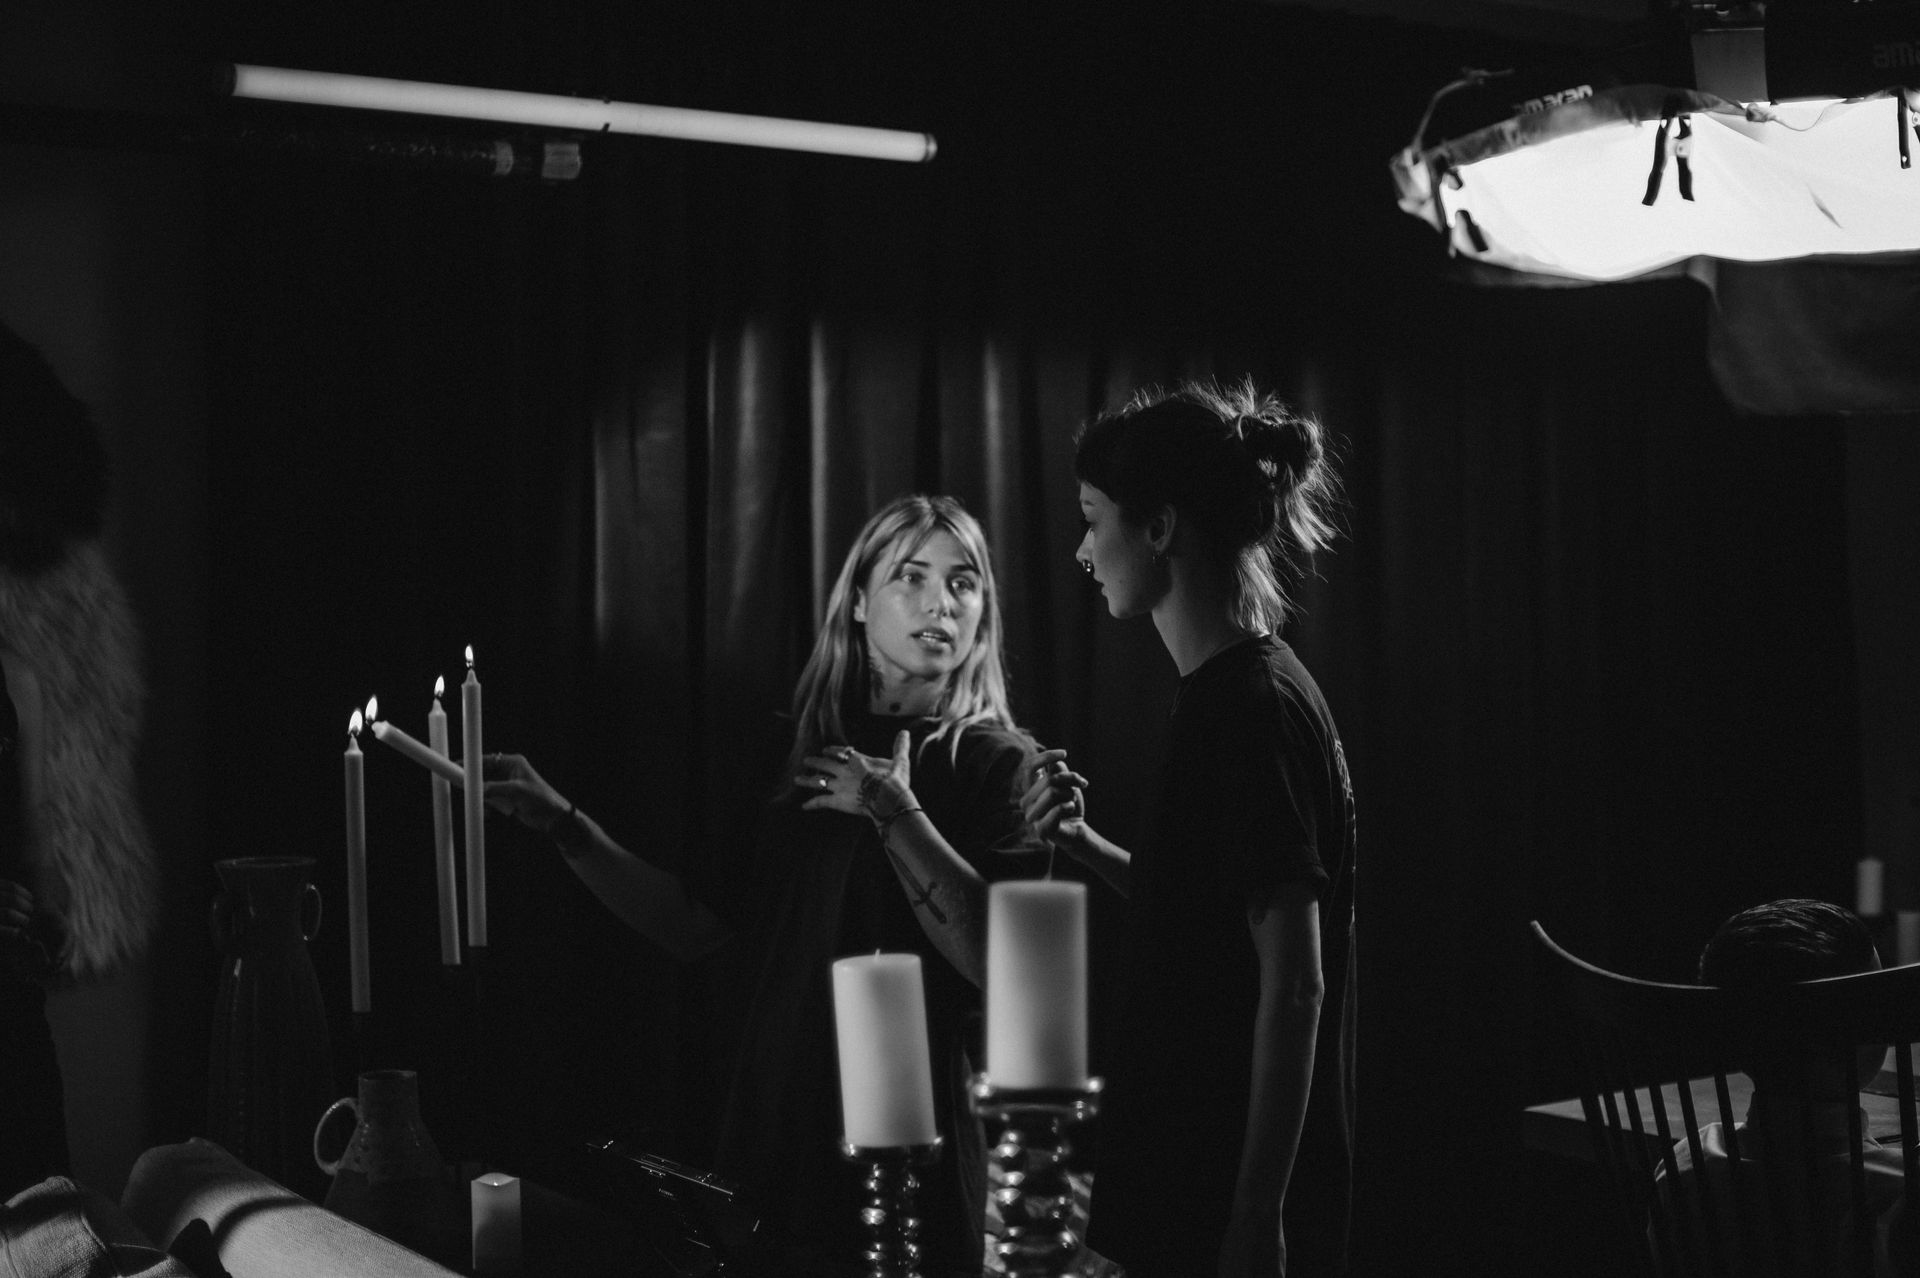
point(1254, 794)
point(818, 888)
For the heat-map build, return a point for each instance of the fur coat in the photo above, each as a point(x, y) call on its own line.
point(71, 630)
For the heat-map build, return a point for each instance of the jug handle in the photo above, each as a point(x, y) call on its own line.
point(332, 1165)
point(311, 893)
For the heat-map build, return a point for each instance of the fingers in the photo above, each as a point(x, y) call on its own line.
point(1059, 786)
point(16, 905)
point(902, 742)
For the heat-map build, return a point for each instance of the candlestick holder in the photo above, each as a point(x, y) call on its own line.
point(1035, 1196)
point(893, 1247)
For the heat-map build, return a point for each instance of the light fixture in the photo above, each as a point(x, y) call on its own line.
point(586, 115)
point(1603, 177)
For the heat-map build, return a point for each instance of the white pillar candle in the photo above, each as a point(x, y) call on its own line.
point(446, 879)
point(475, 806)
point(1906, 936)
point(496, 1223)
point(1037, 984)
point(1869, 881)
point(357, 955)
point(886, 1075)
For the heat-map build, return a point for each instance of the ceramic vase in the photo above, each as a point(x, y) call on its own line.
point(390, 1177)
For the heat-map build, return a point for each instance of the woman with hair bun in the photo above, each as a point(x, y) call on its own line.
point(1228, 1124)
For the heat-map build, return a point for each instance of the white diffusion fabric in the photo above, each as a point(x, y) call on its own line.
point(1562, 192)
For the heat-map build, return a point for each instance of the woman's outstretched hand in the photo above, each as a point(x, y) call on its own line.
point(1056, 802)
point(842, 779)
point(513, 787)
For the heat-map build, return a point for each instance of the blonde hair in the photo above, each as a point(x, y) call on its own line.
point(835, 676)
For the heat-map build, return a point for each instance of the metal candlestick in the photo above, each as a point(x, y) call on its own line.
point(1035, 1196)
point(893, 1247)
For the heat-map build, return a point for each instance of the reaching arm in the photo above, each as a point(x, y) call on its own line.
point(1286, 1020)
point(1056, 807)
point(648, 899)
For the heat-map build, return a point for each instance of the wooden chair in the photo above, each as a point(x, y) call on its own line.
point(1663, 1062)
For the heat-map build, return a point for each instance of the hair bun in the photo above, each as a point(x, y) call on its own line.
point(1289, 444)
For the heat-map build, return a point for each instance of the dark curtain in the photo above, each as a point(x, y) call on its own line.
point(1587, 638)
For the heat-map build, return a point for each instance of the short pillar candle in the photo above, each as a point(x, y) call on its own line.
point(1037, 984)
point(886, 1074)
point(496, 1224)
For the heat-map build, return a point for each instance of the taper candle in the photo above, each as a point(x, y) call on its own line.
point(432, 760)
point(357, 868)
point(445, 878)
point(1037, 984)
point(475, 806)
point(886, 1078)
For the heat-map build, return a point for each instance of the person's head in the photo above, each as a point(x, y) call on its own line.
point(1784, 941)
point(1790, 940)
point(53, 470)
point(915, 600)
point(1228, 475)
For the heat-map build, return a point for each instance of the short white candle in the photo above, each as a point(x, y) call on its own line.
point(357, 951)
point(886, 1075)
point(496, 1223)
point(1869, 881)
point(446, 880)
point(1037, 984)
point(475, 806)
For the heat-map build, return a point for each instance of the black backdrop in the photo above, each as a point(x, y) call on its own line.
point(1588, 638)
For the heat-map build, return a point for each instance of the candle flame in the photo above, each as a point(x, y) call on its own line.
point(353, 725)
point(469, 656)
point(439, 687)
point(373, 709)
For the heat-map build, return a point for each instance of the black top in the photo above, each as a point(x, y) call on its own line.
point(820, 888)
point(1254, 794)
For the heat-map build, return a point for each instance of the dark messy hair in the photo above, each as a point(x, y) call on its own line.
point(53, 470)
point(1783, 941)
point(1253, 477)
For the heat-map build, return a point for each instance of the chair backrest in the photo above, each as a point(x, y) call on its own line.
point(1775, 1199)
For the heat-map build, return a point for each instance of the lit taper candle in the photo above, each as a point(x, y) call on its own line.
point(475, 805)
point(445, 877)
point(357, 868)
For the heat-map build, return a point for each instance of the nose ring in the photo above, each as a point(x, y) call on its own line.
point(1086, 566)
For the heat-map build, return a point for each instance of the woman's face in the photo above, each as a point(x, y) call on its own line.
point(1120, 556)
point(922, 612)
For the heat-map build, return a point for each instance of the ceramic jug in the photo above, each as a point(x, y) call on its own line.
point(270, 1068)
point(390, 1177)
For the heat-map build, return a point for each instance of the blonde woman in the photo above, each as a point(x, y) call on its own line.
point(900, 801)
